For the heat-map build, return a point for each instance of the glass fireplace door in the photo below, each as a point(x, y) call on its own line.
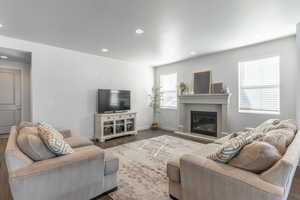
point(204, 123)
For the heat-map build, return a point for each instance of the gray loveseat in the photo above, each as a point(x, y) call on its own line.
point(82, 175)
point(194, 177)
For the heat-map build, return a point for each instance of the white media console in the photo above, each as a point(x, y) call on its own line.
point(108, 126)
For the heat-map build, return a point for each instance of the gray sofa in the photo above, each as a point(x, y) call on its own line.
point(82, 175)
point(194, 177)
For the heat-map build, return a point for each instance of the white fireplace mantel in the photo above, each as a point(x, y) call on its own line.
point(202, 102)
point(204, 99)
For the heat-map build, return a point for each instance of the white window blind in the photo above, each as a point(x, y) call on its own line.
point(259, 86)
point(168, 86)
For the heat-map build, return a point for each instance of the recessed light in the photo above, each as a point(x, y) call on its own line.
point(139, 31)
point(193, 53)
point(1, 25)
point(105, 50)
point(3, 57)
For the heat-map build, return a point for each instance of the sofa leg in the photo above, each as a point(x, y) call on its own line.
point(174, 198)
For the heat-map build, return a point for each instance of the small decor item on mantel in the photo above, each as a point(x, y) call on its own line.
point(227, 90)
point(155, 99)
point(202, 82)
point(182, 87)
point(217, 88)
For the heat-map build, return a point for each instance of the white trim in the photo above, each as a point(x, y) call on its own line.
point(168, 108)
point(143, 127)
point(259, 112)
point(166, 128)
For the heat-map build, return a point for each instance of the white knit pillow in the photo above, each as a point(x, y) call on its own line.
point(54, 140)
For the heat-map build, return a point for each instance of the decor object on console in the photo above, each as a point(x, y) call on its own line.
point(202, 82)
point(108, 126)
point(110, 101)
point(84, 174)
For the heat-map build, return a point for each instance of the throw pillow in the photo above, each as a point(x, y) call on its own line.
point(279, 141)
point(267, 125)
point(288, 124)
point(232, 147)
point(284, 131)
point(31, 144)
point(54, 140)
point(256, 157)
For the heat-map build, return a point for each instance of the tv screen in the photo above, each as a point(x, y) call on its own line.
point(113, 100)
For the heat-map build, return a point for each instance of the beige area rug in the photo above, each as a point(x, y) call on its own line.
point(142, 174)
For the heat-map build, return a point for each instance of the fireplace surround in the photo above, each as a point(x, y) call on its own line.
point(211, 106)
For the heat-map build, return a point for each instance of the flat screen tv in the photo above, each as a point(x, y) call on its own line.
point(113, 100)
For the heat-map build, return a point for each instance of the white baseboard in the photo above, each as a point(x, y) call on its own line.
point(142, 128)
point(167, 128)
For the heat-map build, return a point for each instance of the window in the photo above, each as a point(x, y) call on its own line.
point(168, 86)
point(259, 87)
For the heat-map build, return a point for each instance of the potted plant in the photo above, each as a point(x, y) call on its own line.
point(155, 99)
point(182, 87)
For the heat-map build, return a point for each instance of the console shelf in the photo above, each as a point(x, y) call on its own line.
point(108, 126)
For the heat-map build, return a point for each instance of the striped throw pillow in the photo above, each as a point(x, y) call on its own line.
point(54, 140)
point(232, 147)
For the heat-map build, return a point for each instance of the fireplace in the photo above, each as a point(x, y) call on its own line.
point(204, 123)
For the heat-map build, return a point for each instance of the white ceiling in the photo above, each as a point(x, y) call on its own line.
point(173, 28)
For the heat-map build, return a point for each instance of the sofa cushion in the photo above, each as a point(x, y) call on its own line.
point(288, 133)
point(76, 141)
point(25, 124)
point(279, 141)
point(256, 157)
point(66, 133)
point(288, 124)
point(111, 164)
point(54, 140)
point(173, 170)
point(31, 144)
point(231, 148)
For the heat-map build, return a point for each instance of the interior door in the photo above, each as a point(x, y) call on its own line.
point(10, 99)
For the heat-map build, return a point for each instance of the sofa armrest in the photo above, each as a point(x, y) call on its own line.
point(45, 166)
point(64, 177)
point(202, 178)
point(66, 133)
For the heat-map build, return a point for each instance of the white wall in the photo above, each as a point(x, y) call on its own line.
point(65, 82)
point(224, 68)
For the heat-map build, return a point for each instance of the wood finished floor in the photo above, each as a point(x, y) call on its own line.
point(4, 186)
